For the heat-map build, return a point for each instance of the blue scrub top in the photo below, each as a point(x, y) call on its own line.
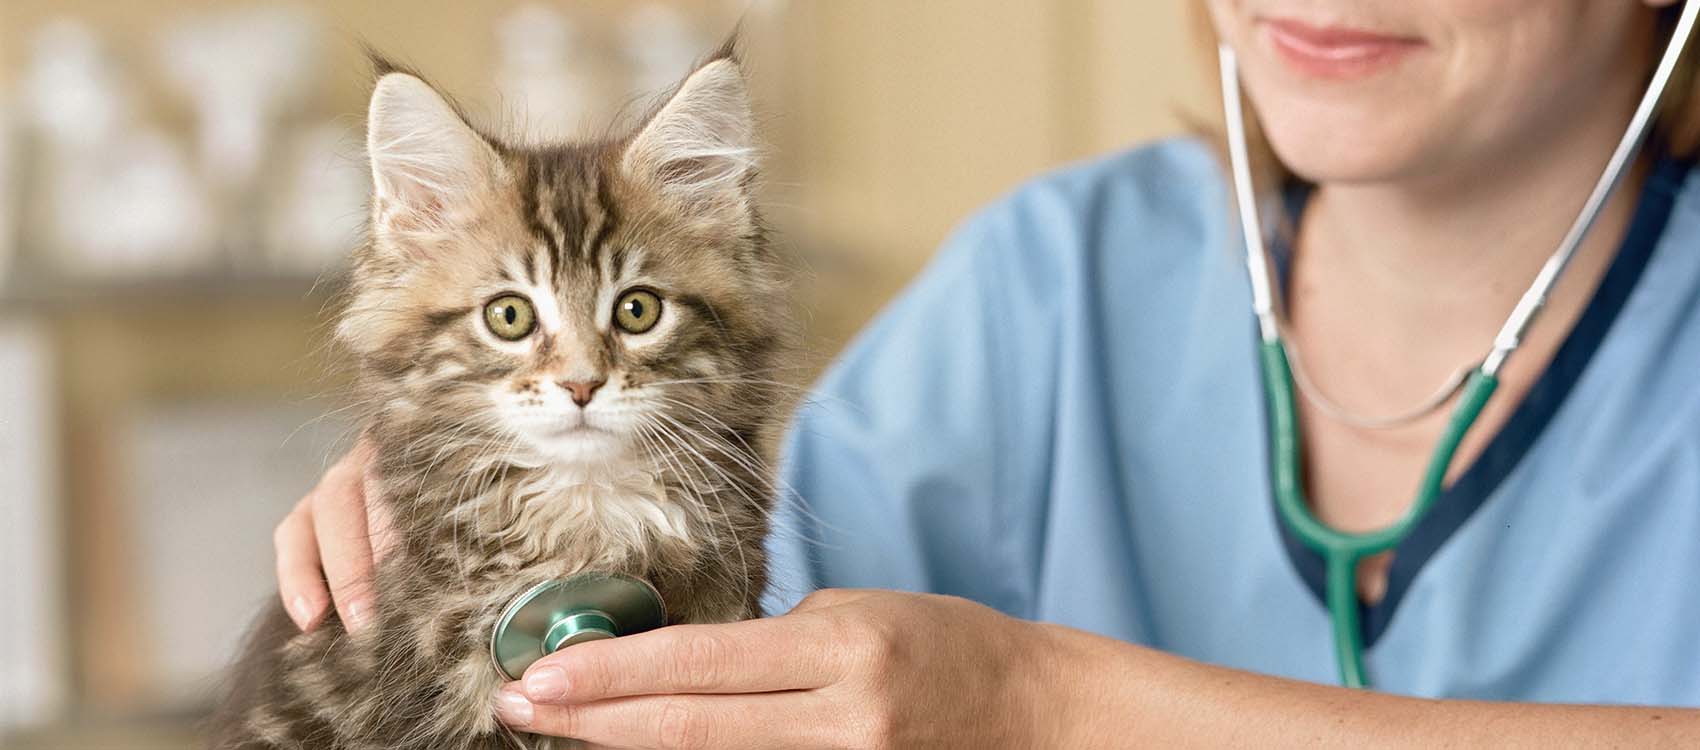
point(1062, 418)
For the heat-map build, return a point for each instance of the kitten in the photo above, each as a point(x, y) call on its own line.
point(566, 348)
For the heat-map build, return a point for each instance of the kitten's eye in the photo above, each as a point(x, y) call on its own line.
point(510, 317)
point(637, 311)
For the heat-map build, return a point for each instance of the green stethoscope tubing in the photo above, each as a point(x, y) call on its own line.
point(1342, 551)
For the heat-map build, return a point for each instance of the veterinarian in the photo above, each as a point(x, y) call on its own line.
point(1057, 495)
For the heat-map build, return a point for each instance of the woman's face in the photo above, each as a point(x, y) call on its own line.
point(1385, 90)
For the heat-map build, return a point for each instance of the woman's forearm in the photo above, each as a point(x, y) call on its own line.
point(1116, 693)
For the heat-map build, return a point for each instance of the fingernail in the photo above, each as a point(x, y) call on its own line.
point(513, 709)
point(546, 684)
point(359, 614)
point(301, 612)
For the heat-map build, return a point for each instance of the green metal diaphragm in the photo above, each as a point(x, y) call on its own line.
point(556, 614)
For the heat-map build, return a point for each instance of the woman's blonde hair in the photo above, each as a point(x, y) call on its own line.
point(1676, 133)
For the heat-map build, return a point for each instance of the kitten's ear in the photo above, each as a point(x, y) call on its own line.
point(429, 167)
point(699, 149)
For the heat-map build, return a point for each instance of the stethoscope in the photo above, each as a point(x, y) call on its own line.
point(567, 611)
point(1341, 550)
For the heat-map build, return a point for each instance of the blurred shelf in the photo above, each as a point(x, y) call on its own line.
point(31, 292)
point(175, 733)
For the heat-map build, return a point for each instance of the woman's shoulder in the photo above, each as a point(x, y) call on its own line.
point(1169, 170)
point(1176, 178)
point(1159, 207)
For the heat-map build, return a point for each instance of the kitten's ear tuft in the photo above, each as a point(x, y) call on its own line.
point(699, 148)
point(429, 167)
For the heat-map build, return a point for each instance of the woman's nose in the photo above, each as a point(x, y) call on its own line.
point(582, 390)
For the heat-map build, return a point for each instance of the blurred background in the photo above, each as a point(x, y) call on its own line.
point(180, 182)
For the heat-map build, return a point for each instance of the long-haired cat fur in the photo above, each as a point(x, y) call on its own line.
point(568, 355)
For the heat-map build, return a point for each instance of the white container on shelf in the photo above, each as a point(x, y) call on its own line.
point(241, 68)
point(660, 42)
point(552, 82)
point(9, 198)
point(120, 199)
point(317, 212)
point(33, 673)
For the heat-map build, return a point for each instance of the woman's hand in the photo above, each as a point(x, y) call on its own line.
point(879, 669)
point(335, 537)
point(845, 669)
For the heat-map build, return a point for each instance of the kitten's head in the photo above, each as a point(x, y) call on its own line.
point(572, 301)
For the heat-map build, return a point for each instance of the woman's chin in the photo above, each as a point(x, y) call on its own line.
point(1331, 157)
point(1356, 139)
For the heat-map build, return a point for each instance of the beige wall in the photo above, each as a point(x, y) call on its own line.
point(903, 117)
point(909, 114)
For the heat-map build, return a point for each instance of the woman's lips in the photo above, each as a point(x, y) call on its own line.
point(1336, 51)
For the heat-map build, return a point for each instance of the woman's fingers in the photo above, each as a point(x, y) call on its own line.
point(682, 722)
point(343, 537)
point(781, 653)
point(329, 539)
point(299, 581)
point(378, 527)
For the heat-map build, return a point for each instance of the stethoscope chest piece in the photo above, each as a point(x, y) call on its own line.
point(556, 614)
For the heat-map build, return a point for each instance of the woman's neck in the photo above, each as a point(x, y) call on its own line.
point(1439, 260)
point(1397, 285)
point(1470, 241)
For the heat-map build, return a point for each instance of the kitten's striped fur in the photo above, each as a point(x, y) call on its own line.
point(486, 503)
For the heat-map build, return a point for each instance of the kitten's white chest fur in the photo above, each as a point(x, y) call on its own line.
point(570, 520)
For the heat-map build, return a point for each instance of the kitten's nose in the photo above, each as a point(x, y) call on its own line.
point(582, 390)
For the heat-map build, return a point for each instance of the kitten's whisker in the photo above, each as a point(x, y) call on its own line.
point(699, 491)
point(705, 461)
point(731, 380)
point(708, 415)
point(781, 489)
point(773, 482)
point(314, 421)
point(749, 460)
point(680, 465)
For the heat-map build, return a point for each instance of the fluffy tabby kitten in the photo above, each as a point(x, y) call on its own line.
point(568, 349)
